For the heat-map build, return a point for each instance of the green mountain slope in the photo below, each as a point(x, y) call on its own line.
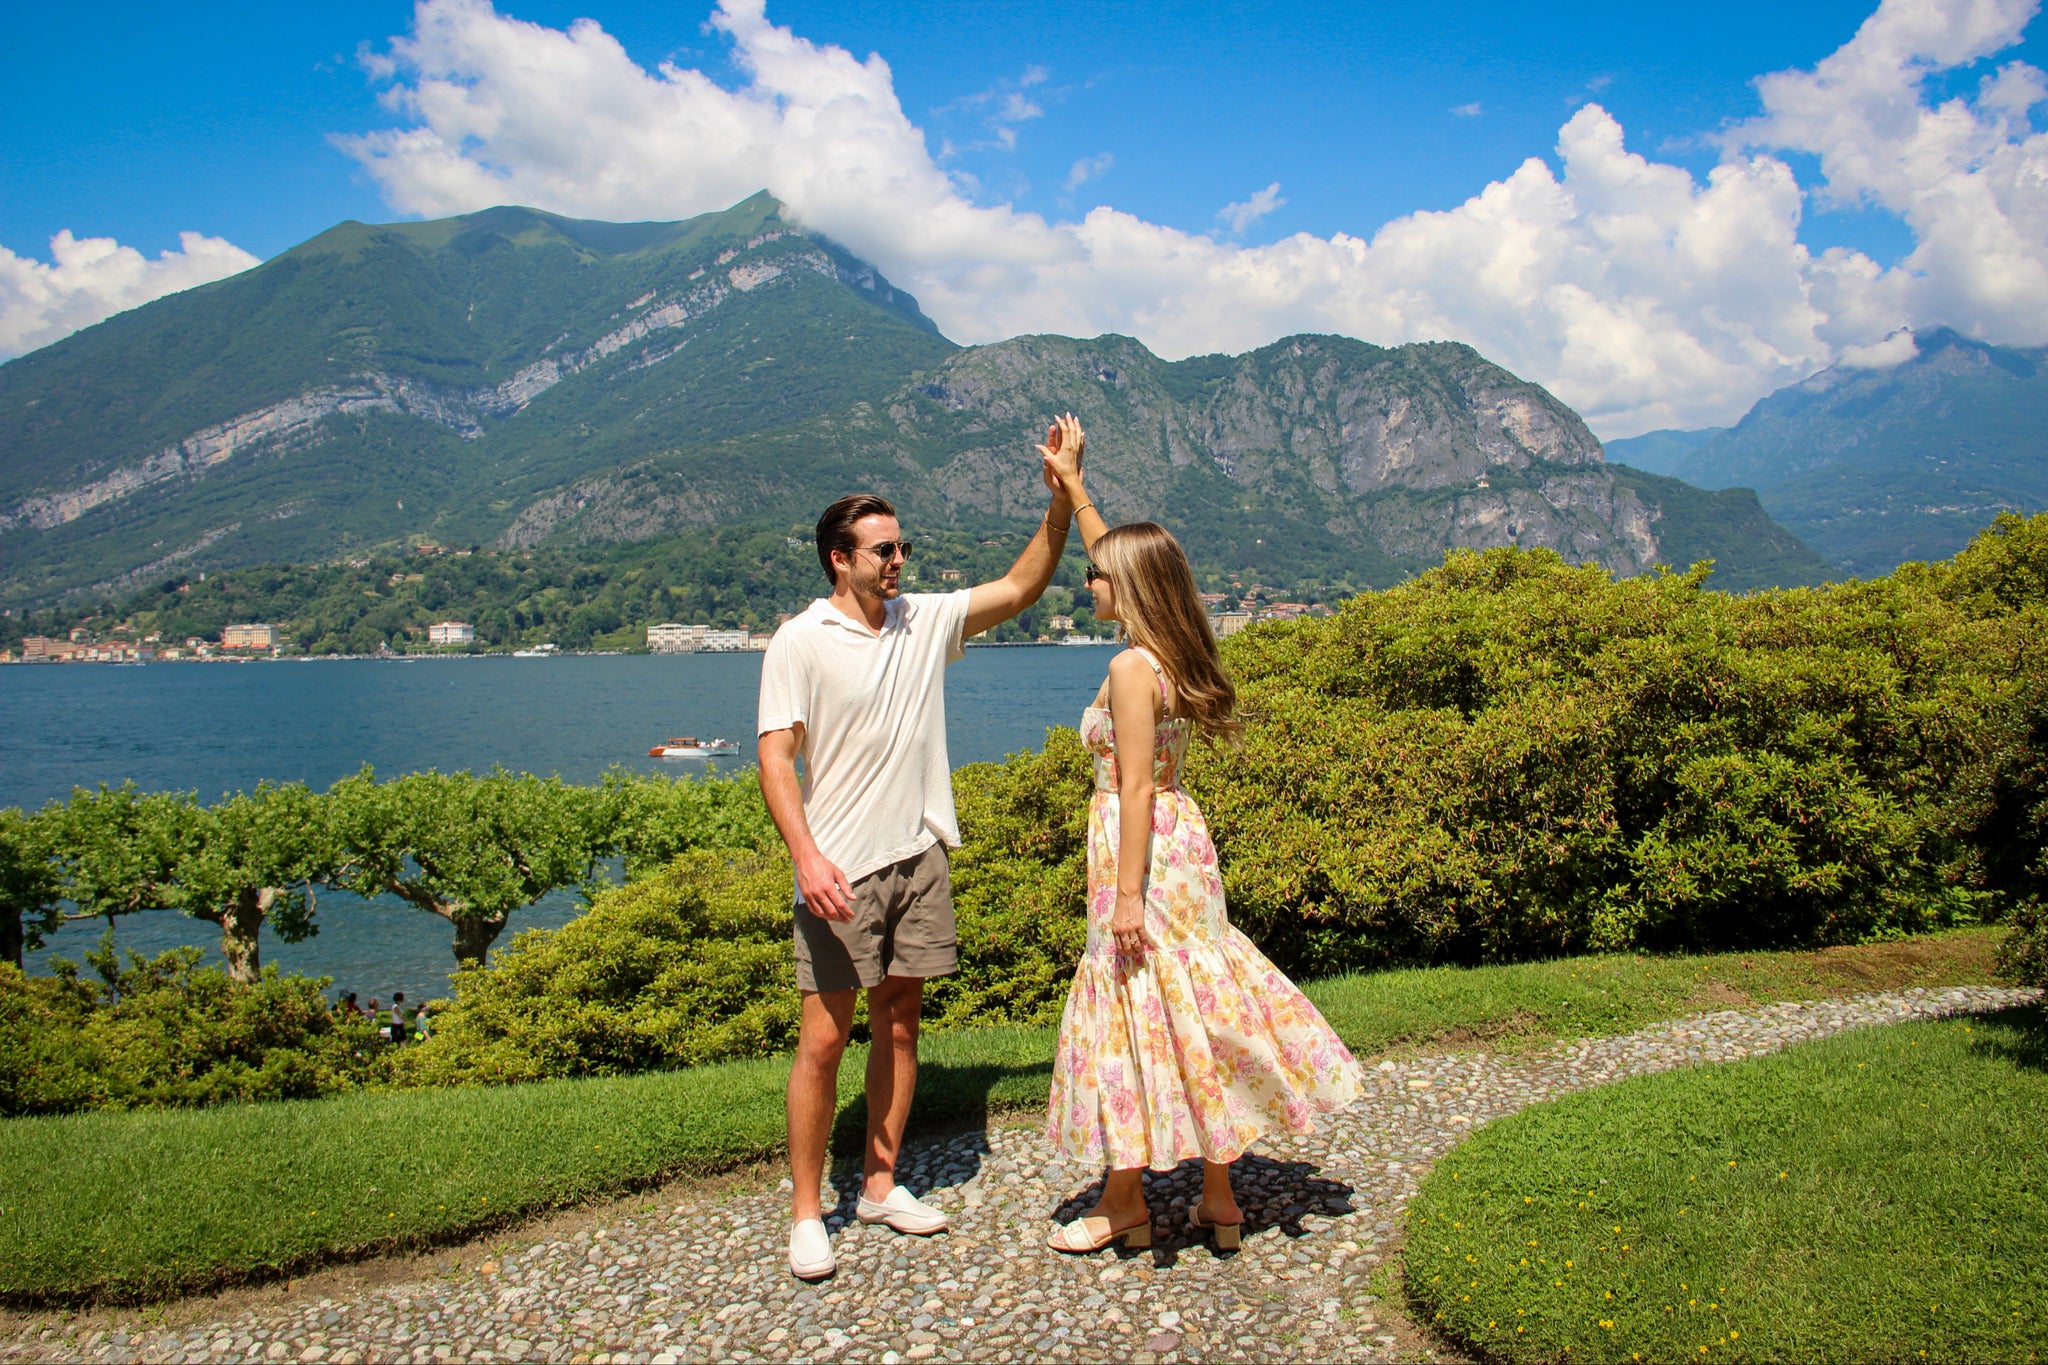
point(1875, 467)
point(380, 383)
point(1317, 459)
point(518, 378)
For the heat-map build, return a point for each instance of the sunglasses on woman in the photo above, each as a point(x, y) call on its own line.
point(1093, 575)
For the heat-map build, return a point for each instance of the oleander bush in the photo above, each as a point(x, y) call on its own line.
point(1511, 757)
point(689, 965)
point(168, 1032)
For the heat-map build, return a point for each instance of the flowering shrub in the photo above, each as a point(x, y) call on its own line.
point(166, 1032)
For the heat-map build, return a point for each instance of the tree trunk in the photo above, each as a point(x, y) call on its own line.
point(239, 925)
point(11, 937)
point(474, 935)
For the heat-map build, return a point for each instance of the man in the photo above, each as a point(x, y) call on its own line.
point(855, 686)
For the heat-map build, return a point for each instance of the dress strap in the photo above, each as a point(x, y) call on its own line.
point(1159, 672)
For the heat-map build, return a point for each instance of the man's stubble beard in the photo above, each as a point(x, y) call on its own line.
point(872, 585)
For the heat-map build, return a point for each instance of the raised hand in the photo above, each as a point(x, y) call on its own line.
point(1065, 445)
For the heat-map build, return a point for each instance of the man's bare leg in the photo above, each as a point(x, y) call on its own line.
point(894, 1008)
point(822, 1030)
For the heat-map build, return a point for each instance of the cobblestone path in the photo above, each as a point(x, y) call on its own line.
point(704, 1277)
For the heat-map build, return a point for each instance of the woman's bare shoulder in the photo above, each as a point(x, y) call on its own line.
point(1130, 664)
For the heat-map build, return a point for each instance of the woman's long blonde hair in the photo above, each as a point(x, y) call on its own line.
point(1160, 610)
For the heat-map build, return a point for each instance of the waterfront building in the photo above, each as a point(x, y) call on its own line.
point(951, 575)
point(1229, 623)
point(1060, 624)
point(725, 641)
point(252, 635)
point(670, 638)
point(451, 633)
point(36, 649)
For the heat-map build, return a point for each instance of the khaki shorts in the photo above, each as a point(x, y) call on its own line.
point(902, 925)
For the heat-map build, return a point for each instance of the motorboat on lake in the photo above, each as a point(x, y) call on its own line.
point(689, 746)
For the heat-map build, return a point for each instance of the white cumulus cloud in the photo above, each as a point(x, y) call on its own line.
point(1243, 215)
point(1643, 295)
point(1968, 175)
point(91, 278)
point(1894, 351)
point(1088, 168)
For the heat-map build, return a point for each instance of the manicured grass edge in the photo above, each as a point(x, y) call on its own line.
point(1781, 1207)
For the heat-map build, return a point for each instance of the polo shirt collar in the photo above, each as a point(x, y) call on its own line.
point(827, 614)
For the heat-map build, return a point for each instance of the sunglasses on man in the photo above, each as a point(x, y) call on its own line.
point(889, 549)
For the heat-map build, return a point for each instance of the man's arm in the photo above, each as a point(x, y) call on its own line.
point(991, 604)
point(819, 881)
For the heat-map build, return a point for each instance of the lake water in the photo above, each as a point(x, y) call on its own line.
point(214, 728)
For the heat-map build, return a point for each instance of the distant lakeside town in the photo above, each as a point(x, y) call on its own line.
point(262, 640)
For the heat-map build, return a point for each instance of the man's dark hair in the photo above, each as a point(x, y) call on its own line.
point(835, 528)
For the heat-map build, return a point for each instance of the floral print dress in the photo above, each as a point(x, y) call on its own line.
point(1200, 1045)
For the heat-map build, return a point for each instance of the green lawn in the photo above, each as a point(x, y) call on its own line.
point(1874, 1196)
point(144, 1204)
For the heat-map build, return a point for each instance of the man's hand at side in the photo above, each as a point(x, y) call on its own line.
point(823, 887)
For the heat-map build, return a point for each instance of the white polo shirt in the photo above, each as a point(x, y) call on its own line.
point(877, 786)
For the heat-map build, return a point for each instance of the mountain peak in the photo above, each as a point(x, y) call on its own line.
point(517, 225)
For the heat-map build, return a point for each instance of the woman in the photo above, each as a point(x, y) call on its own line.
point(1179, 1038)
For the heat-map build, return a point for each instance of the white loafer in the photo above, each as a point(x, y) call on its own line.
point(810, 1250)
point(902, 1211)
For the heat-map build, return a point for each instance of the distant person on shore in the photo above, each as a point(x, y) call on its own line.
point(374, 1010)
point(422, 1023)
point(1179, 1039)
point(348, 1008)
point(855, 687)
point(398, 1016)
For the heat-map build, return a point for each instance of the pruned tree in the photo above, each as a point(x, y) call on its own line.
point(469, 849)
point(250, 861)
point(114, 848)
point(31, 884)
point(655, 819)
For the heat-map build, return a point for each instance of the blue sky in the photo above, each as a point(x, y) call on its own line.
point(139, 122)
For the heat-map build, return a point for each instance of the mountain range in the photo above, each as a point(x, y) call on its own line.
point(1875, 466)
point(516, 378)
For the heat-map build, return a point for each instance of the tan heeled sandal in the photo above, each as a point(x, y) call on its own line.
point(1229, 1236)
point(1073, 1238)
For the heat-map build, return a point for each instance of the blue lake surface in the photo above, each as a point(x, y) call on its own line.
point(215, 728)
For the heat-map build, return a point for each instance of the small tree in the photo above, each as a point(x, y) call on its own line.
point(31, 884)
point(469, 849)
point(114, 847)
point(249, 861)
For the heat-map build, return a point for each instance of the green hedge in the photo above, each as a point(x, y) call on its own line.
point(168, 1031)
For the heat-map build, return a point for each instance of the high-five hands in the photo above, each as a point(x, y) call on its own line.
point(1065, 444)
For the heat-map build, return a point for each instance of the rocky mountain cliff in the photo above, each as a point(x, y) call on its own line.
point(1316, 457)
point(1872, 467)
point(515, 376)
